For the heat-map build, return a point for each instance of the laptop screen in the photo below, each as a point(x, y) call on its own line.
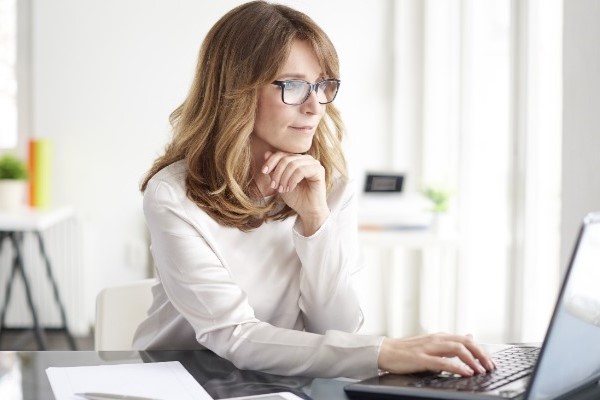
point(571, 352)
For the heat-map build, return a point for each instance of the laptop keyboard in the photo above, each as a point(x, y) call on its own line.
point(511, 364)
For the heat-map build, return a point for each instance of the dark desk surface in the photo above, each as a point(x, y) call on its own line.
point(218, 376)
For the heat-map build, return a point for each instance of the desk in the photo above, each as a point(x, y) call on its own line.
point(13, 227)
point(412, 239)
point(426, 287)
point(218, 376)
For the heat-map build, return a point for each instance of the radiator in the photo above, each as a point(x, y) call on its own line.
point(64, 246)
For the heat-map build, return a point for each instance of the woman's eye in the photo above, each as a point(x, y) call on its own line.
point(294, 85)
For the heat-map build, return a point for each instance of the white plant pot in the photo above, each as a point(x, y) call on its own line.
point(442, 223)
point(12, 194)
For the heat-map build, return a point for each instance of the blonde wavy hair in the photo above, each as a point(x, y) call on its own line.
point(212, 129)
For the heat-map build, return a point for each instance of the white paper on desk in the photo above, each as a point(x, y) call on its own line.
point(161, 380)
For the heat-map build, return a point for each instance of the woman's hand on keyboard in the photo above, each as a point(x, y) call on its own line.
point(434, 353)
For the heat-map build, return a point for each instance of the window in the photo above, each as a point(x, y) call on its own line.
point(8, 73)
point(483, 83)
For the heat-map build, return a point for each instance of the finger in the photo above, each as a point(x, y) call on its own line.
point(310, 173)
point(480, 353)
point(438, 364)
point(467, 340)
point(454, 348)
point(284, 163)
point(298, 170)
point(296, 177)
point(271, 160)
point(467, 357)
point(476, 350)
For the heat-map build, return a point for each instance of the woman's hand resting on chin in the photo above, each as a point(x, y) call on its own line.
point(300, 180)
point(433, 353)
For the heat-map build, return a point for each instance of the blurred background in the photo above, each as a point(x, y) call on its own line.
point(492, 102)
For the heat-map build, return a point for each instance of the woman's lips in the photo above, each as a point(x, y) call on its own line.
point(303, 128)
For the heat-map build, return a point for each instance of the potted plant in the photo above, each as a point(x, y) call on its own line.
point(440, 199)
point(13, 182)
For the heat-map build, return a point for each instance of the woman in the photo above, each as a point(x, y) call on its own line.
point(252, 219)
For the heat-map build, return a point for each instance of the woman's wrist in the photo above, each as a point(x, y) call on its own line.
point(384, 354)
point(312, 222)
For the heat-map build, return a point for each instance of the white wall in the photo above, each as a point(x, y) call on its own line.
point(107, 74)
point(581, 117)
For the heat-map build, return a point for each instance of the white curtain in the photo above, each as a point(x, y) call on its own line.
point(477, 101)
point(8, 74)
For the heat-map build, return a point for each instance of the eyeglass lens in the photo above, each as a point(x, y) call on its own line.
point(297, 91)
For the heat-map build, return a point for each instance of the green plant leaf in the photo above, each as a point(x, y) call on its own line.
point(12, 168)
point(439, 197)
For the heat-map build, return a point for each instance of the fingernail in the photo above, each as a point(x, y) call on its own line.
point(273, 185)
point(480, 369)
point(280, 189)
point(468, 371)
point(265, 169)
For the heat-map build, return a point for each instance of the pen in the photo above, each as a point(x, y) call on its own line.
point(111, 396)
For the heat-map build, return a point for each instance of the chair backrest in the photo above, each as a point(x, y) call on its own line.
point(119, 311)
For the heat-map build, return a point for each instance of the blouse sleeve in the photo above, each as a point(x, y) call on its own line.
point(329, 260)
point(203, 292)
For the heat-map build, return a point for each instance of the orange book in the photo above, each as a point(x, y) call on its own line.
point(31, 161)
point(40, 172)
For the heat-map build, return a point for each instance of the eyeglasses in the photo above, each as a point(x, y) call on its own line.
point(296, 91)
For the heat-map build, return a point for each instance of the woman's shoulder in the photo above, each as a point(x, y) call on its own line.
point(169, 181)
point(166, 198)
point(167, 189)
point(175, 172)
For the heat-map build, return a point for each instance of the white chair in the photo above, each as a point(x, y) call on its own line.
point(119, 311)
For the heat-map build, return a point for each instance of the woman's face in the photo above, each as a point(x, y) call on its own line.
point(282, 127)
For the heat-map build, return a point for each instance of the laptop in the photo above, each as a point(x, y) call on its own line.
point(568, 360)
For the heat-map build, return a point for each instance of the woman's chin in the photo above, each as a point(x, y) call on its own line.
point(297, 148)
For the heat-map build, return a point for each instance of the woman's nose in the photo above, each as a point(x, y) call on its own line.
point(311, 105)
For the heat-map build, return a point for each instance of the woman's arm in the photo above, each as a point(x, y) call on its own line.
point(203, 292)
point(329, 260)
point(325, 238)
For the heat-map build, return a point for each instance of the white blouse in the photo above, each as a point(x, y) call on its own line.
point(269, 299)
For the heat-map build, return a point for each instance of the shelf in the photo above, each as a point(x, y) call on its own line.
point(31, 219)
point(412, 238)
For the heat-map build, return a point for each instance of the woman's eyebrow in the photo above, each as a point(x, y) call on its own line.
point(297, 75)
point(293, 75)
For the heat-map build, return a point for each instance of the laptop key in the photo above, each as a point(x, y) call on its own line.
point(512, 364)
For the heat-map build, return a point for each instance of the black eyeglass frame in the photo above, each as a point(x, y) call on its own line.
point(312, 86)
